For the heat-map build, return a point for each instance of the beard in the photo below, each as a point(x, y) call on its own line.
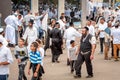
point(84, 35)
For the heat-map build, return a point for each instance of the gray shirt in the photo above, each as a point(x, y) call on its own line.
point(21, 53)
point(72, 54)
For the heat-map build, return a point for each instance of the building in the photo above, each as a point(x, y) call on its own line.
point(5, 10)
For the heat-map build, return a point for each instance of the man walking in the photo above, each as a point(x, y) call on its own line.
point(30, 34)
point(86, 53)
point(5, 60)
point(115, 33)
point(102, 26)
point(70, 34)
point(57, 42)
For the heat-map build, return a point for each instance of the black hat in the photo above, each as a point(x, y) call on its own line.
point(86, 28)
point(31, 21)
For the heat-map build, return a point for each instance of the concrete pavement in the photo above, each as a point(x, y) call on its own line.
point(103, 69)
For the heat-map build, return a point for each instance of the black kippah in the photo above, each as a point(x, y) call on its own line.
point(86, 28)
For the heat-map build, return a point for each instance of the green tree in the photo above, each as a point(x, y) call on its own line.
point(20, 1)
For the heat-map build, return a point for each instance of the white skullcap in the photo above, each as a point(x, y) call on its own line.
point(1, 30)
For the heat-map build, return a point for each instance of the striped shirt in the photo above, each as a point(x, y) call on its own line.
point(35, 57)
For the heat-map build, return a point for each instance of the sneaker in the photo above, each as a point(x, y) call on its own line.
point(89, 76)
point(77, 76)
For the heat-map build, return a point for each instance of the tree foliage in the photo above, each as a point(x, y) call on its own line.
point(20, 1)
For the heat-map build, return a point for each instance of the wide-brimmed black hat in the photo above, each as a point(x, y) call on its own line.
point(31, 21)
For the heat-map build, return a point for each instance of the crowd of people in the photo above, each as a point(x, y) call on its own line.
point(24, 34)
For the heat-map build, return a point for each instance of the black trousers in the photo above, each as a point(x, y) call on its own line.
point(72, 65)
point(40, 72)
point(101, 44)
point(55, 57)
point(21, 72)
point(16, 36)
point(81, 58)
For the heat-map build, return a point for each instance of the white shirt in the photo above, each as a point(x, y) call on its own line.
point(12, 20)
point(91, 30)
point(115, 32)
point(5, 55)
point(106, 14)
point(20, 22)
point(93, 40)
point(37, 21)
point(31, 33)
point(102, 27)
point(67, 12)
point(27, 18)
point(42, 53)
point(62, 24)
point(77, 14)
point(50, 14)
point(70, 34)
point(91, 6)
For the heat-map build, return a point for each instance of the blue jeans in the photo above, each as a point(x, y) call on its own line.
point(3, 77)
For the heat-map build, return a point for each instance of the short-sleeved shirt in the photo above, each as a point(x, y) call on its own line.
point(5, 55)
point(72, 54)
point(102, 27)
point(115, 32)
point(35, 57)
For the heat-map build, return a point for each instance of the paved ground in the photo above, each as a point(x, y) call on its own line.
point(103, 70)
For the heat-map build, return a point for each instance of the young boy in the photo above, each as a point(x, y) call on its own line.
point(40, 49)
point(72, 56)
point(21, 55)
point(35, 62)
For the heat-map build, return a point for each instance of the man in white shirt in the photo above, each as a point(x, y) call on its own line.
point(106, 14)
point(30, 34)
point(26, 19)
point(91, 9)
point(62, 24)
point(70, 34)
point(115, 33)
point(5, 60)
point(38, 22)
point(11, 28)
point(101, 27)
point(91, 28)
point(67, 12)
